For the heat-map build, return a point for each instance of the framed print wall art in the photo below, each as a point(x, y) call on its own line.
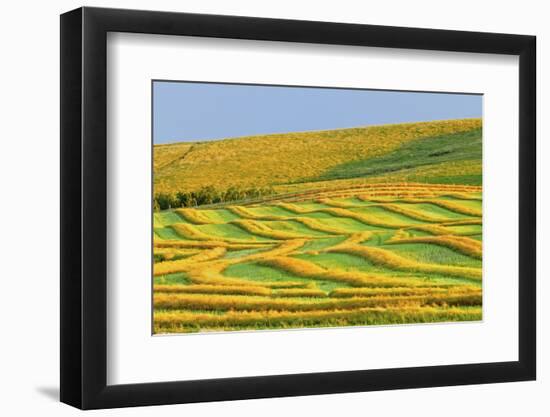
point(257, 208)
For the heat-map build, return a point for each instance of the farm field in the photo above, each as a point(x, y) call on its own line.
point(389, 253)
point(364, 226)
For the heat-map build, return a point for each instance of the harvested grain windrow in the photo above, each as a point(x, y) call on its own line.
point(211, 274)
point(368, 220)
point(258, 303)
point(260, 229)
point(170, 267)
point(323, 190)
point(171, 251)
point(178, 321)
point(284, 248)
point(456, 207)
point(207, 255)
point(293, 208)
point(400, 234)
point(460, 193)
point(412, 213)
point(298, 292)
point(434, 229)
point(377, 194)
point(213, 289)
point(334, 203)
point(210, 244)
point(246, 213)
point(315, 224)
point(359, 237)
point(394, 196)
point(448, 205)
point(390, 191)
point(465, 245)
point(306, 269)
point(295, 266)
point(194, 216)
point(419, 185)
point(396, 291)
point(388, 259)
point(465, 222)
point(189, 231)
point(384, 189)
point(461, 196)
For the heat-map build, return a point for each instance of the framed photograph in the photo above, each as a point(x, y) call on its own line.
point(259, 208)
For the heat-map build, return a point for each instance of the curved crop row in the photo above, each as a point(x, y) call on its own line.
point(316, 225)
point(368, 220)
point(467, 246)
point(211, 274)
point(194, 216)
point(379, 189)
point(412, 213)
point(213, 289)
point(403, 291)
point(260, 229)
point(449, 205)
point(306, 269)
point(299, 292)
point(391, 260)
point(245, 213)
point(258, 303)
point(195, 244)
point(180, 265)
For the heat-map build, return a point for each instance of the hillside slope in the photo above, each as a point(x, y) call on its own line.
point(448, 150)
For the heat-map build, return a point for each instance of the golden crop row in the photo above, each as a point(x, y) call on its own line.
point(170, 267)
point(383, 189)
point(389, 259)
point(213, 289)
point(194, 216)
point(449, 205)
point(200, 244)
point(259, 303)
point(404, 291)
point(166, 321)
point(261, 229)
point(314, 292)
point(306, 269)
point(465, 245)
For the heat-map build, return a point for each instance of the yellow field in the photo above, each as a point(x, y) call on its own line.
point(288, 161)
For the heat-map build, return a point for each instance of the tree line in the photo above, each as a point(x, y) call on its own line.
point(207, 195)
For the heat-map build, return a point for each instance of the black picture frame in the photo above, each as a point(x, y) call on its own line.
point(84, 207)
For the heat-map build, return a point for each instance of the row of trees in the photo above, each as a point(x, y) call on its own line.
point(207, 195)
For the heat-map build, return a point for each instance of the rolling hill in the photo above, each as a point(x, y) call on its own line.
point(437, 152)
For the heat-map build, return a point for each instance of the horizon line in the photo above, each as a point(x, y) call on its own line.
point(307, 131)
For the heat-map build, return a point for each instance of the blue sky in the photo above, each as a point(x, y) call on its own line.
point(184, 111)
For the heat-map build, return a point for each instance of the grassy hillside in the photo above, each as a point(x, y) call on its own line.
point(433, 151)
point(446, 151)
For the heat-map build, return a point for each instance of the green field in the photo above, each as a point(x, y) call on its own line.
point(364, 226)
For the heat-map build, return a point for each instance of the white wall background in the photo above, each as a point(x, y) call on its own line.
point(29, 242)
